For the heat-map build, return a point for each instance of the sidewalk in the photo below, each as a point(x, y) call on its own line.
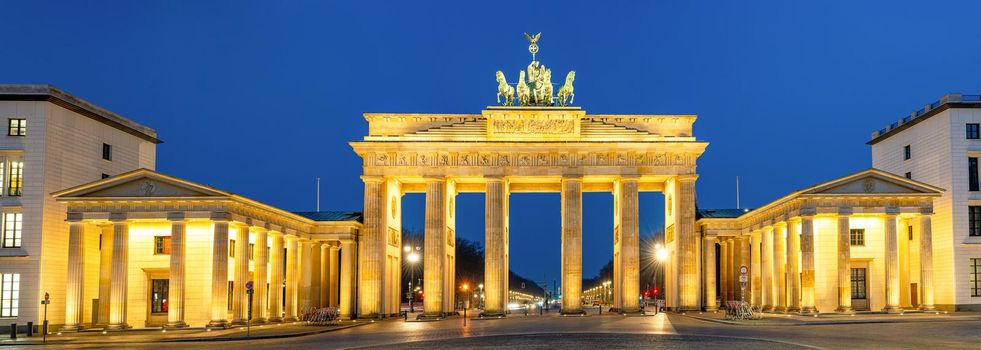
point(154, 335)
point(771, 319)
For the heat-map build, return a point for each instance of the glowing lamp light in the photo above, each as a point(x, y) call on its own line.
point(661, 254)
point(413, 257)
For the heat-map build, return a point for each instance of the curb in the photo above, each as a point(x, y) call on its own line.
point(187, 340)
point(825, 323)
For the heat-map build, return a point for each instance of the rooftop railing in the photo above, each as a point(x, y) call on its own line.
point(948, 98)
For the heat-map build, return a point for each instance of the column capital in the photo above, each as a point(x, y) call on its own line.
point(373, 179)
point(708, 238)
point(926, 211)
point(630, 178)
point(220, 216)
point(780, 225)
point(290, 237)
point(808, 212)
point(686, 178)
point(273, 233)
point(571, 178)
point(494, 178)
point(434, 178)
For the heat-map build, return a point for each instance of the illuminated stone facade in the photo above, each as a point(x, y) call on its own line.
point(505, 150)
point(805, 252)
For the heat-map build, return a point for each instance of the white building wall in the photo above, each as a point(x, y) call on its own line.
point(939, 157)
point(62, 149)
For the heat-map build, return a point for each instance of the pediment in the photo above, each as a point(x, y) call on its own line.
point(140, 183)
point(872, 181)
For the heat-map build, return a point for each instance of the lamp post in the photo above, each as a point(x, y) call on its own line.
point(466, 304)
point(412, 257)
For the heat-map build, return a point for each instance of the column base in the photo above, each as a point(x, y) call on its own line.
point(808, 310)
point(779, 309)
point(844, 309)
point(117, 327)
point(259, 321)
point(928, 308)
point(72, 328)
point(711, 309)
point(492, 314)
point(892, 309)
point(578, 312)
point(274, 320)
point(290, 319)
point(218, 324)
point(239, 322)
point(767, 308)
point(178, 324)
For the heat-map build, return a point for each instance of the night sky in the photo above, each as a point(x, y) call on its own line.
point(261, 98)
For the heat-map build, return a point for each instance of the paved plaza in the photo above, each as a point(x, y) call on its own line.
point(911, 331)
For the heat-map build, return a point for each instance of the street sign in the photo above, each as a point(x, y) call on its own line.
point(743, 270)
point(743, 278)
point(248, 285)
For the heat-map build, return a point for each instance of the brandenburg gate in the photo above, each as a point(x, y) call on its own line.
point(539, 144)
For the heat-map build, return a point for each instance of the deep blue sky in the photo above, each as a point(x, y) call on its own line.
point(261, 98)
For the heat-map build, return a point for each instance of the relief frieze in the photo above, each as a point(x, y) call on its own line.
point(509, 159)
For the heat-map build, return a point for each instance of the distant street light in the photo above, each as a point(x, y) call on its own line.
point(412, 257)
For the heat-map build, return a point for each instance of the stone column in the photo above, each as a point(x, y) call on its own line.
point(313, 290)
point(892, 262)
point(260, 305)
point(219, 276)
point(240, 297)
point(686, 256)
point(572, 245)
point(373, 247)
point(844, 261)
point(766, 263)
point(74, 286)
point(723, 269)
point(756, 270)
point(120, 269)
point(105, 274)
point(434, 259)
point(780, 267)
point(276, 278)
point(325, 275)
point(333, 285)
point(178, 243)
point(807, 263)
point(744, 256)
point(305, 271)
point(793, 267)
point(709, 249)
point(346, 288)
point(291, 278)
point(495, 266)
point(734, 268)
point(628, 286)
point(926, 261)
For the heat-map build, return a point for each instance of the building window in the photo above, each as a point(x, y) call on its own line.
point(231, 248)
point(231, 294)
point(972, 174)
point(909, 229)
point(906, 153)
point(856, 236)
point(251, 251)
point(161, 245)
point(973, 131)
point(15, 182)
point(858, 283)
point(10, 294)
point(909, 175)
point(18, 127)
point(12, 225)
point(106, 151)
point(976, 277)
point(974, 220)
point(159, 296)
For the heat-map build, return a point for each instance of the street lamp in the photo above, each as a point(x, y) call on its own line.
point(412, 257)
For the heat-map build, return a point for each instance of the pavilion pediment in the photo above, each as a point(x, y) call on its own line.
point(872, 182)
point(140, 183)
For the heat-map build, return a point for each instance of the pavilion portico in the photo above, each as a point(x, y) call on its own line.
point(153, 250)
point(860, 242)
point(508, 150)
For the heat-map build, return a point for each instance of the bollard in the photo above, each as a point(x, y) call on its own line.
point(13, 331)
point(30, 329)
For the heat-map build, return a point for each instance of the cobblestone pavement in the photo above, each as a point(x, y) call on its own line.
point(610, 331)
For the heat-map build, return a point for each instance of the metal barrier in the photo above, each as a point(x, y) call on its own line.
point(740, 310)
